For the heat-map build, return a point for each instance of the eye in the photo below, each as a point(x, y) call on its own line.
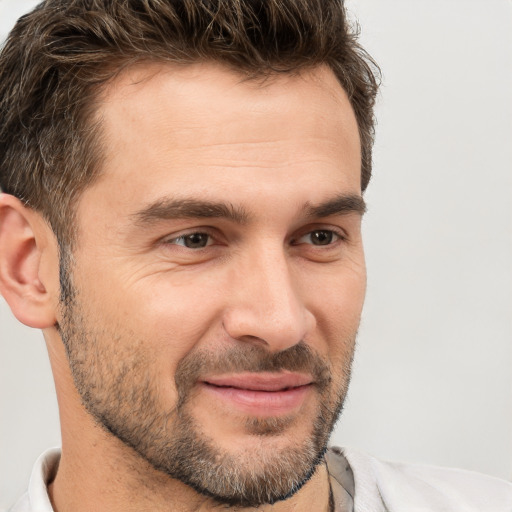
point(192, 240)
point(319, 237)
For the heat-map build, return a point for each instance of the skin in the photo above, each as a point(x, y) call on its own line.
point(199, 132)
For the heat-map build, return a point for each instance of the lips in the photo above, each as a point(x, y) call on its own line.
point(260, 394)
point(260, 381)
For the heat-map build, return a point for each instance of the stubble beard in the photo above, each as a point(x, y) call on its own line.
point(117, 388)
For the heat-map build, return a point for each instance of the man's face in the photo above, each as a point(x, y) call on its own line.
point(218, 276)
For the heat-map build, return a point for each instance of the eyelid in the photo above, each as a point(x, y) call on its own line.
point(341, 234)
point(182, 238)
point(169, 239)
point(338, 232)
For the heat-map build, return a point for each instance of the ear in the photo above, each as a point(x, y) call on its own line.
point(24, 239)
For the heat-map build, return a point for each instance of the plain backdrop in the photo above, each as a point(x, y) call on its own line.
point(432, 378)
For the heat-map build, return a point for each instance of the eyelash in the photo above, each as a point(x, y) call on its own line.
point(336, 235)
point(183, 237)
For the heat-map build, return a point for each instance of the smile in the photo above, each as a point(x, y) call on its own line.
point(261, 394)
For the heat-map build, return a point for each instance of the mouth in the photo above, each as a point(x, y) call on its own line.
point(260, 394)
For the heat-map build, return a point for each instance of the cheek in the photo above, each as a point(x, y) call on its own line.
point(337, 307)
point(337, 297)
point(173, 319)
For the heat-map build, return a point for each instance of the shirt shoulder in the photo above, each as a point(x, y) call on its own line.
point(43, 472)
point(385, 486)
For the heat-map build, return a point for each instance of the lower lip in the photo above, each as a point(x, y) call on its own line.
point(261, 403)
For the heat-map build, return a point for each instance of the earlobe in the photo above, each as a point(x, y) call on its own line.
point(21, 247)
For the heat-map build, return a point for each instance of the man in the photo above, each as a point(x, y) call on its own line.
point(181, 216)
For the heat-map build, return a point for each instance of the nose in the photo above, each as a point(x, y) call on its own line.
point(265, 303)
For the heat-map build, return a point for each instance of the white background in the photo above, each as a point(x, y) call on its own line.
point(432, 380)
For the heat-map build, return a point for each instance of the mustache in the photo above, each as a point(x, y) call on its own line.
point(249, 358)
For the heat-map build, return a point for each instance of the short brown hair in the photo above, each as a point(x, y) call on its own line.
point(57, 57)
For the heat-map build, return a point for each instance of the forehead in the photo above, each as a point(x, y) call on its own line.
point(196, 85)
point(203, 125)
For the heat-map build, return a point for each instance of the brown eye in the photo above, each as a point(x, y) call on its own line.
point(196, 240)
point(322, 237)
point(192, 241)
point(319, 237)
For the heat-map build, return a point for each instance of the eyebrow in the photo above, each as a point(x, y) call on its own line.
point(169, 209)
point(340, 205)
